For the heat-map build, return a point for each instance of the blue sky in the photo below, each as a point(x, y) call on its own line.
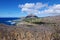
point(12, 8)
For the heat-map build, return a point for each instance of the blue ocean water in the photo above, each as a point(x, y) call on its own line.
point(6, 20)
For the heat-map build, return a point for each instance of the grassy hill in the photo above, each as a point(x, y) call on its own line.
point(47, 28)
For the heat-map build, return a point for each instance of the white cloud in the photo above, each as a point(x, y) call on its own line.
point(57, 6)
point(32, 7)
point(36, 8)
point(53, 9)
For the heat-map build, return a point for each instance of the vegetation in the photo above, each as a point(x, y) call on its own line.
point(32, 29)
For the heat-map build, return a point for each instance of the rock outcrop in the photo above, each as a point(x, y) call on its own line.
point(31, 16)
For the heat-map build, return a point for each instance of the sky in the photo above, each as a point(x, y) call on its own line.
point(20, 8)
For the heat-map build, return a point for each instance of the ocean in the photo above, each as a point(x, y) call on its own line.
point(8, 21)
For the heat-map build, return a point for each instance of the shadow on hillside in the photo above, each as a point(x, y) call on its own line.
point(42, 23)
point(39, 22)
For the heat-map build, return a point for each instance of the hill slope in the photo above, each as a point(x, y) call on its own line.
point(47, 28)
